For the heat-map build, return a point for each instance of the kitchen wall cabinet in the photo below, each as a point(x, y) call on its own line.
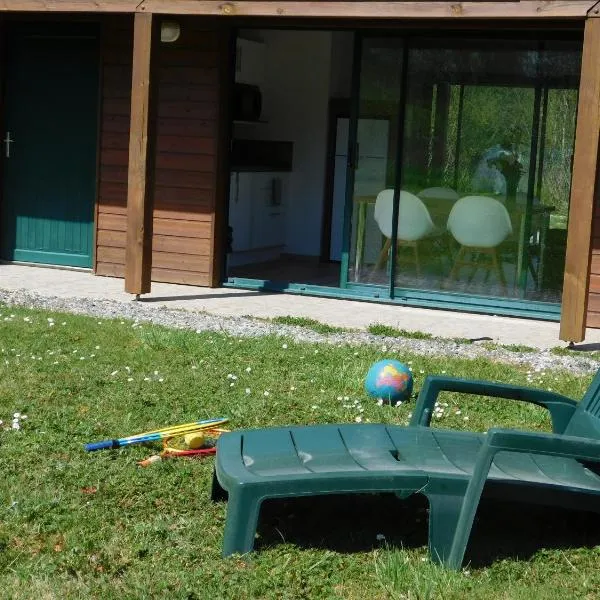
point(257, 210)
point(250, 62)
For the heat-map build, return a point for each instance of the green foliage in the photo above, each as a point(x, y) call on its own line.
point(388, 331)
point(308, 324)
point(76, 525)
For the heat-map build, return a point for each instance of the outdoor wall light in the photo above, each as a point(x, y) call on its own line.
point(169, 31)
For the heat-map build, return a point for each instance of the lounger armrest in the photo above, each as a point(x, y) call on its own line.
point(550, 444)
point(510, 440)
point(560, 407)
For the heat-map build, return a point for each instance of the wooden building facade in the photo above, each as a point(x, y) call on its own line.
point(161, 151)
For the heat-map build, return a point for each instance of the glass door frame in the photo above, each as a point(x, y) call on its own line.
point(413, 296)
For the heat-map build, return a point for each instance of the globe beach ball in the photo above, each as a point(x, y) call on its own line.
point(389, 380)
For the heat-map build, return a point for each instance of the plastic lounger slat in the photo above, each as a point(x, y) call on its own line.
point(321, 449)
point(271, 452)
point(371, 446)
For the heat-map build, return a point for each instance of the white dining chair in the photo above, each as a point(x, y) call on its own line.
point(414, 224)
point(479, 224)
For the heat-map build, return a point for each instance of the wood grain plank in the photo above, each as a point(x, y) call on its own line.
point(141, 157)
point(168, 227)
point(187, 110)
point(110, 254)
point(187, 199)
point(183, 57)
point(593, 320)
point(530, 9)
point(160, 243)
point(184, 277)
point(583, 190)
point(189, 75)
point(197, 127)
point(176, 212)
point(594, 303)
point(595, 283)
point(185, 179)
point(109, 6)
point(193, 93)
point(180, 262)
point(106, 269)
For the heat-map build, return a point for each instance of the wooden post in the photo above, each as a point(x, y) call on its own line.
point(140, 176)
point(583, 190)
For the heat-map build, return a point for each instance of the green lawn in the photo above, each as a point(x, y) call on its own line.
point(77, 525)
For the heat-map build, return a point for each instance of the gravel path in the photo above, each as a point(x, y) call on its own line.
point(242, 326)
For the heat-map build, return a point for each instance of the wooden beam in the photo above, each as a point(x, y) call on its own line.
point(515, 9)
point(142, 134)
point(594, 11)
point(69, 5)
point(583, 190)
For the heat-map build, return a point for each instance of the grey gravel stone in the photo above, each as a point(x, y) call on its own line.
point(242, 326)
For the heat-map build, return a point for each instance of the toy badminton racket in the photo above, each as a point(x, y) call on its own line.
point(157, 435)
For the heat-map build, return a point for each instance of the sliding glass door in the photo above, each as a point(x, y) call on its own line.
point(462, 163)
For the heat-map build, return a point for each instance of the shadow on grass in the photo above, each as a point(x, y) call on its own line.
point(217, 296)
point(352, 523)
point(590, 347)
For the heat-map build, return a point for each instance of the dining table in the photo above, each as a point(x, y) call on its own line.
point(520, 213)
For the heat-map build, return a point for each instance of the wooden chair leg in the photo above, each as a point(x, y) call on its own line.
point(498, 267)
point(417, 261)
point(382, 259)
point(457, 263)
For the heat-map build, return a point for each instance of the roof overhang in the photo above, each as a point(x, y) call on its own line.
point(424, 9)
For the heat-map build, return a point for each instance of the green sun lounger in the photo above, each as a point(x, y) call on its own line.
point(449, 467)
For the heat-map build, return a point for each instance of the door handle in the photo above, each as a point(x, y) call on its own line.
point(7, 142)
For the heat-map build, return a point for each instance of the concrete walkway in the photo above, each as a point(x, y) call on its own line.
point(344, 313)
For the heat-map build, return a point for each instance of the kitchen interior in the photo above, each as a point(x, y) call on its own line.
point(284, 180)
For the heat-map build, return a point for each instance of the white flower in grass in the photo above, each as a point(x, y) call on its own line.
point(16, 425)
point(266, 393)
point(130, 379)
point(112, 374)
point(284, 346)
point(51, 324)
point(160, 379)
point(146, 378)
point(358, 419)
point(128, 369)
point(247, 390)
point(458, 412)
point(1, 422)
point(399, 403)
point(314, 407)
point(292, 388)
point(194, 367)
point(248, 369)
point(64, 323)
point(231, 384)
point(97, 347)
point(465, 418)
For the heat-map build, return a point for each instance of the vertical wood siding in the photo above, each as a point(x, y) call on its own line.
point(593, 313)
point(186, 174)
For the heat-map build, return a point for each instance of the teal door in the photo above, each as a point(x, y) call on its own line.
point(49, 148)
